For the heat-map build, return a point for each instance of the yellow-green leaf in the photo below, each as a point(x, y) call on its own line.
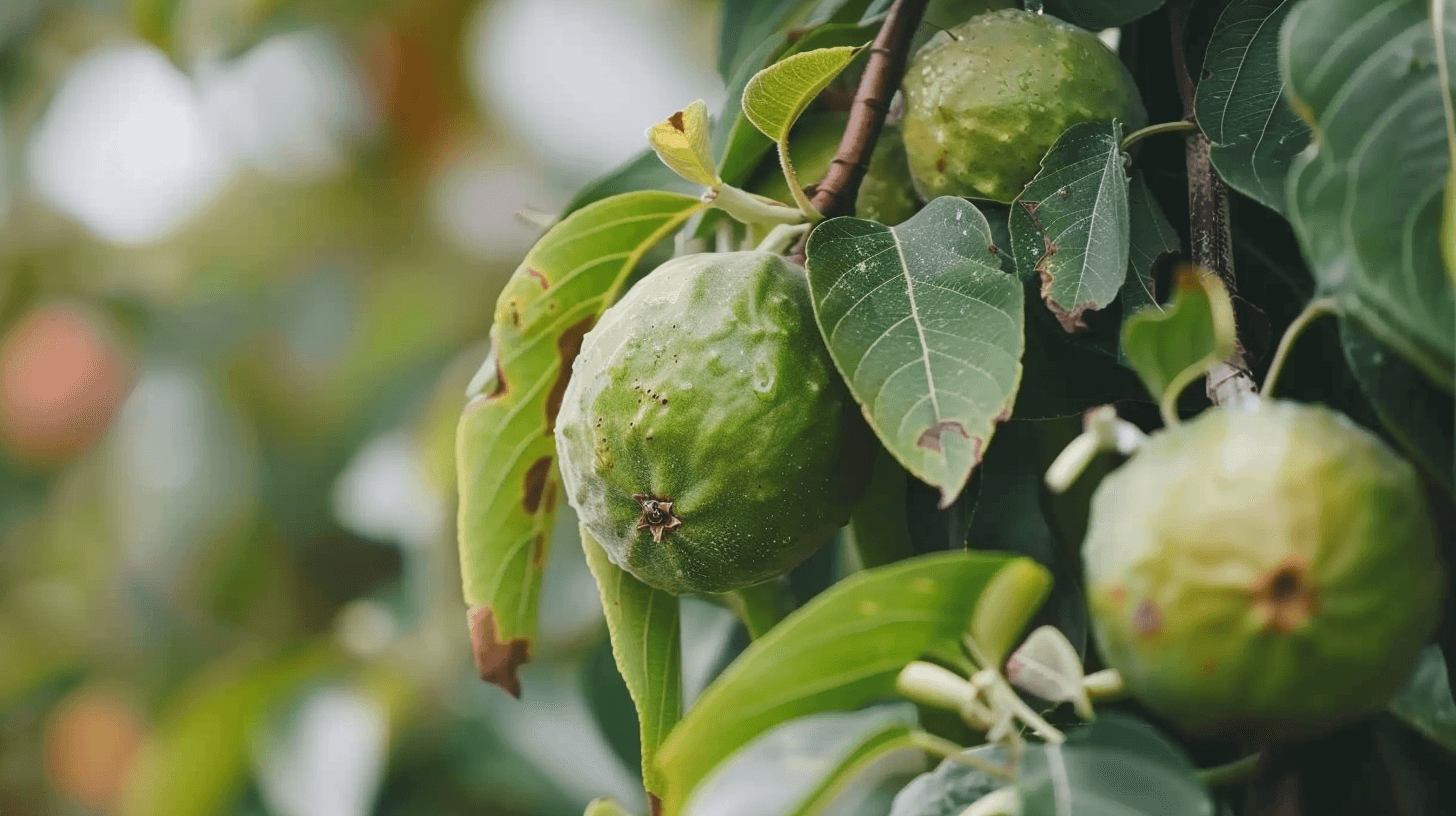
point(682, 142)
point(505, 454)
point(776, 96)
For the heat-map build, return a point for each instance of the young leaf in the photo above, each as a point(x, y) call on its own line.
point(1366, 200)
point(926, 329)
point(504, 448)
point(1171, 347)
point(776, 96)
point(840, 651)
point(1070, 225)
point(681, 141)
point(1113, 767)
point(646, 641)
point(1426, 703)
point(1241, 105)
point(796, 768)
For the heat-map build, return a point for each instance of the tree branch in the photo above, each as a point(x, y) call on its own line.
point(1208, 207)
point(889, 53)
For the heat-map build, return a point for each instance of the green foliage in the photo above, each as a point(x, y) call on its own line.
point(1171, 346)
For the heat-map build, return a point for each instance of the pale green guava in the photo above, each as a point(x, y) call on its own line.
point(1269, 571)
point(705, 438)
point(985, 101)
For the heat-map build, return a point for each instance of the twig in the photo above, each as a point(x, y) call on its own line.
point(1208, 206)
point(886, 65)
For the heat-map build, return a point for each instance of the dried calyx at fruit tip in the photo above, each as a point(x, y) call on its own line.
point(1267, 571)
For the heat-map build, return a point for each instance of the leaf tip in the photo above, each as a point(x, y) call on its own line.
point(497, 662)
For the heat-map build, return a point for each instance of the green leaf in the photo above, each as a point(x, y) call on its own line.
point(1151, 238)
point(842, 650)
point(605, 807)
point(953, 786)
point(1171, 346)
point(681, 141)
point(504, 447)
point(1100, 14)
point(1070, 225)
point(1416, 413)
point(1116, 766)
point(1426, 703)
point(1366, 199)
point(646, 641)
point(796, 768)
point(747, 23)
point(926, 329)
point(1240, 102)
point(776, 96)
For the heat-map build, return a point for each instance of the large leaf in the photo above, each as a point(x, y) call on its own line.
point(844, 649)
point(1171, 346)
point(1070, 225)
point(796, 768)
point(646, 641)
point(1418, 414)
point(1099, 14)
point(1241, 105)
point(1116, 766)
point(926, 329)
point(504, 447)
point(1426, 703)
point(1366, 199)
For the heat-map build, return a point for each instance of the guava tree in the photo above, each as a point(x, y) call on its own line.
point(893, 356)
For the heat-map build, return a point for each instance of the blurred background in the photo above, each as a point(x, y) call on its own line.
point(249, 251)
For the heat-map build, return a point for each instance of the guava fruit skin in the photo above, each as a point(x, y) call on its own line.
point(708, 385)
point(984, 103)
point(1189, 543)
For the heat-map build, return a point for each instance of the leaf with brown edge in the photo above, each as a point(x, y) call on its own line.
point(505, 453)
point(1069, 227)
point(926, 329)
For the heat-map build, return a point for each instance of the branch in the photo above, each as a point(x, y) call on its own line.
point(889, 52)
point(1208, 207)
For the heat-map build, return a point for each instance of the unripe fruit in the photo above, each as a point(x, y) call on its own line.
point(984, 103)
point(705, 438)
point(1268, 572)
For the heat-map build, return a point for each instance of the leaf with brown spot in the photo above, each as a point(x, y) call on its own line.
point(927, 330)
point(507, 503)
point(1071, 225)
point(496, 660)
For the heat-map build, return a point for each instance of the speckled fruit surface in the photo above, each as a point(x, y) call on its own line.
point(1269, 572)
point(985, 101)
point(705, 438)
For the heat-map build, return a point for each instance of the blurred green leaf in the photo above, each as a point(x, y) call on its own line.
point(926, 329)
point(953, 786)
point(1426, 703)
point(505, 449)
point(646, 641)
point(796, 768)
point(1241, 106)
point(1150, 239)
point(605, 807)
point(844, 649)
point(1366, 200)
point(1069, 227)
point(1170, 346)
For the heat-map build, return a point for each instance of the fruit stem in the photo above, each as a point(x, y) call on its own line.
point(1314, 310)
point(751, 209)
point(781, 237)
point(939, 746)
point(1240, 770)
point(1180, 126)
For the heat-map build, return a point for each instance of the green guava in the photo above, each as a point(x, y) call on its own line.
point(985, 101)
point(705, 438)
point(1268, 572)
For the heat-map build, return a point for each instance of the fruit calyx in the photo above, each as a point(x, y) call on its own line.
point(657, 516)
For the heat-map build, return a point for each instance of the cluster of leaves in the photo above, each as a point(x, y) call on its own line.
point(973, 336)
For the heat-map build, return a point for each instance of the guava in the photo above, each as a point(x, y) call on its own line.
point(985, 101)
point(1268, 571)
point(705, 438)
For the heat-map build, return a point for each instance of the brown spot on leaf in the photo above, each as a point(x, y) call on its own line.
point(1071, 320)
point(992, 249)
point(1147, 620)
point(540, 278)
point(676, 120)
point(930, 437)
point(536, 476)
point(538, 551)
point(496, 661)
point(1063, 192)
point(568, 345)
